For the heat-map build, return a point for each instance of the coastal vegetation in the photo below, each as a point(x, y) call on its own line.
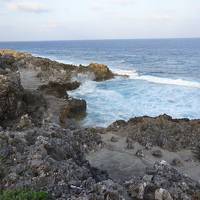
point(22, 195)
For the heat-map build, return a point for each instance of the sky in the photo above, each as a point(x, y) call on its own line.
point(30, 20)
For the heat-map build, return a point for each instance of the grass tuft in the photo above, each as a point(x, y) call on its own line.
point(23, 195)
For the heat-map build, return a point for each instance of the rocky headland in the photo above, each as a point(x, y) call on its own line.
point(43, 147)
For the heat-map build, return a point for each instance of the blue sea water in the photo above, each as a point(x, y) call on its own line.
point(164, 76)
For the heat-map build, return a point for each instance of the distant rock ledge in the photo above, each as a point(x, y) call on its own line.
point(51, 70)
point(49, 79)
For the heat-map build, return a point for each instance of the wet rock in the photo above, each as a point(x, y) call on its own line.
point(74, 108)
point(157, 153)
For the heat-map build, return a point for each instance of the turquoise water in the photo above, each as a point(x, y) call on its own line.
point(164, 76)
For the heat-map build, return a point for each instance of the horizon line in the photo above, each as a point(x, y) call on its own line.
point(167, 38)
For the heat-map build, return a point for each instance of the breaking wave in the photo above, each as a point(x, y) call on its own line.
point(132, 74)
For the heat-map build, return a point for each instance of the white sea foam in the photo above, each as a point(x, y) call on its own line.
point(107, 102)
point(132, 74)
point(169, 81)
point(87, 87)
point(129, 73)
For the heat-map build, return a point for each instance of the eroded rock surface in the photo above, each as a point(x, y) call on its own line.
point(163, 182)
point(124, 161)
point(11, 95)
point(49, 158)
point(15, 100)
point(48, 70)
point(162, 131)
point(59, 89)
point(101, 72)
point(74, 108)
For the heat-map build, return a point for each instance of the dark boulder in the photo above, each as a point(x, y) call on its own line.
point(74, 108)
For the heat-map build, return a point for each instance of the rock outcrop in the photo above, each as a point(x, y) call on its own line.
point(74, 108)
point(163, 182)
point(14, 100)
point(15, 55)
point(52, 159)
point(49, 70)
point(162, 131)
point(48, 158)
point(11, 95)
point(59, 89)
point(101, 72)
point(54, 80)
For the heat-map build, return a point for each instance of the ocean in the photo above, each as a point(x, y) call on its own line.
point(164, 76)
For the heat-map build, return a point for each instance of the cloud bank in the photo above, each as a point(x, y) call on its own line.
point(89, 19)
point(30, 7)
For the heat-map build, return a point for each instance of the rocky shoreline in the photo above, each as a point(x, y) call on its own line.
point(42, 147)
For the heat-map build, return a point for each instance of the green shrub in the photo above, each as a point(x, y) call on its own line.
point(23, 195)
